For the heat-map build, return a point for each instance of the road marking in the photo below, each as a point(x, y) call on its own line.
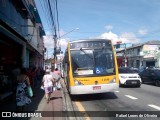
point(154, 106)
point(81, 108)
point(129, 96)
point(116, 91)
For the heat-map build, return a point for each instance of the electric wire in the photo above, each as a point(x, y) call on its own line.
point(54, 27)
point(44, 13)
point(51, 15)
point(57, 23)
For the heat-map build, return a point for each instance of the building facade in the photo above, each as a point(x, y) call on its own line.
point(141, 55)
point(21, 39)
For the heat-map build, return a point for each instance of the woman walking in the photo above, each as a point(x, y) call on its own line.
point(58, 83)
point(48, 84)
point(22, 98)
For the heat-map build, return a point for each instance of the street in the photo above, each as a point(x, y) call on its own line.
point(131, 99)
point(126, 103)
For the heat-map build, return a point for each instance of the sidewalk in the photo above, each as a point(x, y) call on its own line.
point(55, 105)
point(38, 104)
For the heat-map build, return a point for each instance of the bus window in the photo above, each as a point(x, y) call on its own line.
point(81, 61)
point(95, 61)
point(104, 63)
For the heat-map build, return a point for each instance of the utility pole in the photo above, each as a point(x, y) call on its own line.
point(55, 49)
point(47, 53)
point(125, 55)
point(55, 45)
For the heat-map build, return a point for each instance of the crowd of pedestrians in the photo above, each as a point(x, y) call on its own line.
point(34, 77)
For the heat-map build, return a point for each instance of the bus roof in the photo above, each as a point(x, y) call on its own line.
point(81, 40)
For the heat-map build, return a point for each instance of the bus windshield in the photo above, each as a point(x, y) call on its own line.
point(97, 61)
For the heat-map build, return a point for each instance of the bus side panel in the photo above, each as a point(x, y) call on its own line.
point(71, 81)
point(116, 65)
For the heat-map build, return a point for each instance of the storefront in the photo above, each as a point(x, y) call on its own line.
point(15, 50)
point(12, 49)
point(149, 62)
point(10, 55)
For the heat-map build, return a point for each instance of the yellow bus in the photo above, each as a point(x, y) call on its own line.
point(90, 66)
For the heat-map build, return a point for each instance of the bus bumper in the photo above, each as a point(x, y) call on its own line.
point(92, 89)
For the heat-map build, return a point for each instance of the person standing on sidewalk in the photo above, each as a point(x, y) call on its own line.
point(48, 82)
point(22, 98)
point(56, 78)
point(58, 83)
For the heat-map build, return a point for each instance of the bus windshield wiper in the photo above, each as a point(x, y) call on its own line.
point(81, 49)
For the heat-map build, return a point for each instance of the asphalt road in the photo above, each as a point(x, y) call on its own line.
point(134, 101)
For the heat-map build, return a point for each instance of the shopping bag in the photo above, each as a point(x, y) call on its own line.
point(29, 90)
point(42, 87)
point(59, 85)
point(54, 88)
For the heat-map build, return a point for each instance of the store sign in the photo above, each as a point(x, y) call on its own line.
point(150, 51)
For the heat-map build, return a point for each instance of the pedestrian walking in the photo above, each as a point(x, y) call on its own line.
point(47, 83)
point(56, 74)
point(22, 98)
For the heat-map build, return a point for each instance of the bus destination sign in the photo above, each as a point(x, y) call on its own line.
point(89, 44)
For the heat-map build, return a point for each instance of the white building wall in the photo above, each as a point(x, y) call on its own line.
point(145, 54)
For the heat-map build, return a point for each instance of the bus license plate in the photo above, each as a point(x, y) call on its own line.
point(96, 87)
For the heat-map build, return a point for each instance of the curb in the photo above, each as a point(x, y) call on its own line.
point(68, 106)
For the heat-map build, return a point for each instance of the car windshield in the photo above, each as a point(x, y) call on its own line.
point(125, 70)
point(92, 61)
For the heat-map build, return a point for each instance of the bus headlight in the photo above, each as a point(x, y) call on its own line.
point(76, 82)
point(113, 80)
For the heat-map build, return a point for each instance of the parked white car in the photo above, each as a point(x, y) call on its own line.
point(128, 77)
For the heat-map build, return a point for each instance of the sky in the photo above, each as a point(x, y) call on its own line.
point(129, 21)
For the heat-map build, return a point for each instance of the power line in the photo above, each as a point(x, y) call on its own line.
point(51, 15)
point(57, 21)
point(55, 31)
point(47, 11)
point(44, 12)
